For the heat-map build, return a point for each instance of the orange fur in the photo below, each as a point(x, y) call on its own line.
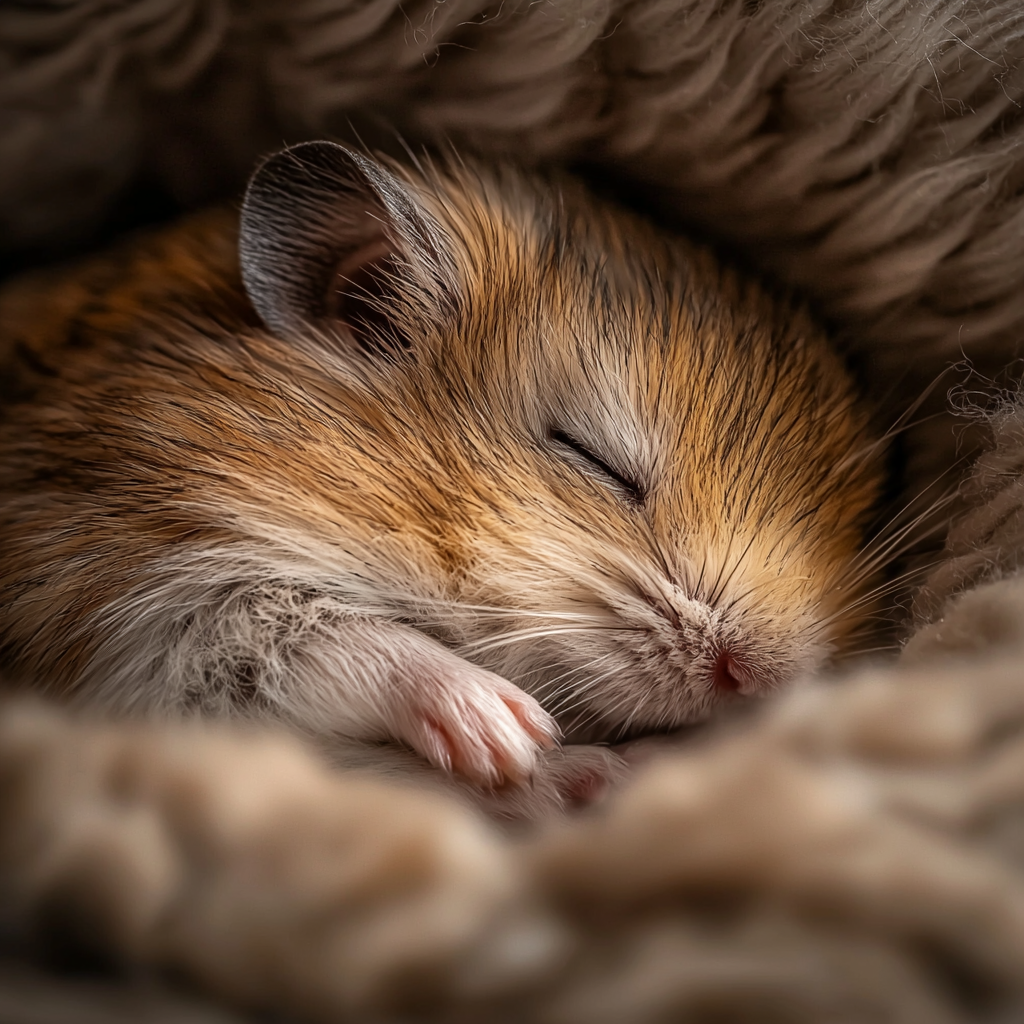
point(166, 424)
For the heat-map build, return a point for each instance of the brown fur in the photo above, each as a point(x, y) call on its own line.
point(166, 423)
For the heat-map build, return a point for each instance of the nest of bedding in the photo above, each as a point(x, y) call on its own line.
point(856, 852)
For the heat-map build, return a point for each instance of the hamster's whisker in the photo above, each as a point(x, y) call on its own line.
point(700, 579)
point(479, 646)
point(891, 529)
point(900, 425)
point(624, 728)
point(873, 448)
point(659, 551)
point(566, 624)
point(592, 716)
point(721, 569)
point(882, 590)
point(554, 686)
point(449, 606)
point(578, 690)
point(907, 574)
point(865, 599)
point(853, 580)
point(886, 543)
point(885, 549)
point(722, 584)
point(581, 696)
point(571, 689)
point(863, 652)
point(885, 589)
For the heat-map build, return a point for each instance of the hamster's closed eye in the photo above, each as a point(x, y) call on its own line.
point(631, 490)
point(460, 458)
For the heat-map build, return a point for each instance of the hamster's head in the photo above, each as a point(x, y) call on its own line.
point(578, 451)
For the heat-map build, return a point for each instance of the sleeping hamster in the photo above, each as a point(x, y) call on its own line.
point(448, 455)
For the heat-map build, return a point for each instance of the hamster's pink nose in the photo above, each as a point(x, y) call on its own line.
point(725, 673)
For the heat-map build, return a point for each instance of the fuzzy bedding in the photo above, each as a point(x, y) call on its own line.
point(855, 853)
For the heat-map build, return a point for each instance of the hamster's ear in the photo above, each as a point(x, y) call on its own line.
point(330, 239)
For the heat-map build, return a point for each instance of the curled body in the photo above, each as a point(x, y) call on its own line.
point(446, 455)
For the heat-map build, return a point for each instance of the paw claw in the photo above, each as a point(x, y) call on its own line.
point(438, 748)
point(541, 727)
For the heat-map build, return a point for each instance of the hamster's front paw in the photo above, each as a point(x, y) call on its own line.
point(471, 721)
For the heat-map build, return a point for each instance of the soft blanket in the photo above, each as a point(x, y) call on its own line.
point(854, 853)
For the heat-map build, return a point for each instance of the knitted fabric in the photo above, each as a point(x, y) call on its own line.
point(854, 854)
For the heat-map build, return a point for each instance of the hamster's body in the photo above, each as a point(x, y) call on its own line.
point(487, 442)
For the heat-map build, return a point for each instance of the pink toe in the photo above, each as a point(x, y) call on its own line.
point(438, 745)
point(538, 725)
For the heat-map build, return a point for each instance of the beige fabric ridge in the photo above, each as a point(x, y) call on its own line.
point(868, 151)
point(853, 855)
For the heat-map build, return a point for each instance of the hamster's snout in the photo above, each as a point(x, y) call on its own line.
point(716, 655)
point(725, 673)
point(743, 676)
